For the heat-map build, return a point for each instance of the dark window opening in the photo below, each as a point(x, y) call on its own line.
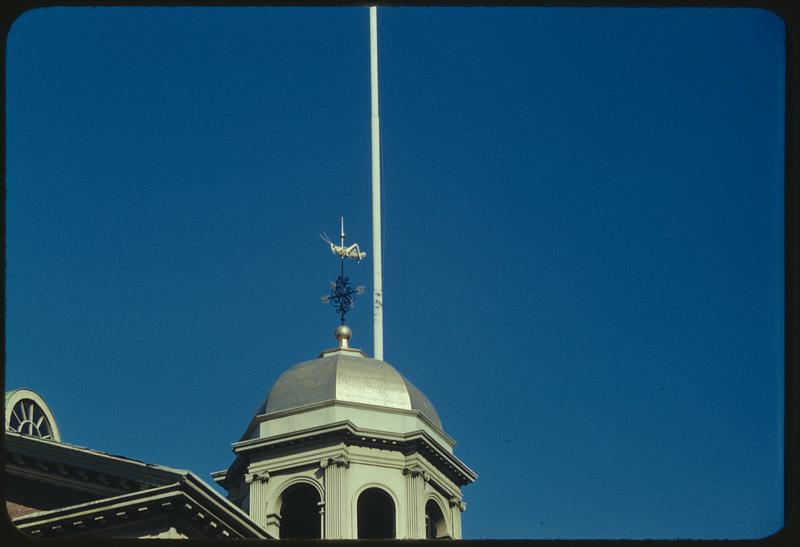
point(375, 515)
point(300, 516)
point(435, 525)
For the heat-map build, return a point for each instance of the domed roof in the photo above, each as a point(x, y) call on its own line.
point(346, 376)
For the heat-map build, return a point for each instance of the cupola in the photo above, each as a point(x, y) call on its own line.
point(346, 447)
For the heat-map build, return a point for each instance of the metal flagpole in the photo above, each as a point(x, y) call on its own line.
point(377, 282)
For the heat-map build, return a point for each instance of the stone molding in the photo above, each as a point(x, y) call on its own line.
point(273, 519)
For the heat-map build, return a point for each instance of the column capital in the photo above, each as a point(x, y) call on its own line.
point(456, 501)
point(259, 476)
point(416, 471)
point(339, 461)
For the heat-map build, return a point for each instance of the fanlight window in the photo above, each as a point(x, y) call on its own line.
point(28, 418)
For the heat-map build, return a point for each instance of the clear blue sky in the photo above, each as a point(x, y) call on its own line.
point(583, 241)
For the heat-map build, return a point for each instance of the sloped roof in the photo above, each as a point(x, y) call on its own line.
point(122, 486)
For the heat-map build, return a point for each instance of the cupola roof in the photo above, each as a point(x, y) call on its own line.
point(345, 374)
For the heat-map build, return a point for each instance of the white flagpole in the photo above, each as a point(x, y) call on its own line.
point(377, 282)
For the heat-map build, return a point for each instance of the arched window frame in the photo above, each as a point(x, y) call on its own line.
point(276, 503)
point(440, 503)
point(354, 506)
point(31, 397)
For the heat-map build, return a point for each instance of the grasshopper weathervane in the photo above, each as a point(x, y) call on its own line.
point(342, 295)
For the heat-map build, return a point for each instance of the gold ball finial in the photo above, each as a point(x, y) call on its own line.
point(343, 335)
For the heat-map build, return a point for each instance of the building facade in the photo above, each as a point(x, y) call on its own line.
point(343, 447)
point(58, 490)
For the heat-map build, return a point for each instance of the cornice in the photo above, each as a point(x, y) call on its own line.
point(297, 460)
point(119, 481)
point(74, 478)
point(181, 500)
point(97, 512)
point(259, 418)
point(212, 501)
point(82, 468)
point(294, 437)
point(346, 432)
point(426, 446)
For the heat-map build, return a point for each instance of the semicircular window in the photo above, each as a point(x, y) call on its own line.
point(28, 418)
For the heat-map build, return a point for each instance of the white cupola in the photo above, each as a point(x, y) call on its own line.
point(345, 447)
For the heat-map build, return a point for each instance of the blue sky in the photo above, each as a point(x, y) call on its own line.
point(583, 241)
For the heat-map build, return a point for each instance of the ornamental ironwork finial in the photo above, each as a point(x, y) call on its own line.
point(342, 295)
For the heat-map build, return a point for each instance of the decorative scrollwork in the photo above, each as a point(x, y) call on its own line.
point(457, 502)
point(339, 461)
point(342, 296)
point(262, 477)
point(416, 471)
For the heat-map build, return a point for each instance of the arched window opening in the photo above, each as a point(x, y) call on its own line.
point(435, 525)
point(375, 515)
point(300, 516)
point(29, 419)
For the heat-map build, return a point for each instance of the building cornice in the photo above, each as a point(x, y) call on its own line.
point(347, 433)
point(182, 500)
point(121, 483)
point(260, 418)
point(82, 468)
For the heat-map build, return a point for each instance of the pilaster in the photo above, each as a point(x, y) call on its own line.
point(258, 496)
point(336, 510)
point(457, 506)
point(273, 525)
point(416, 477)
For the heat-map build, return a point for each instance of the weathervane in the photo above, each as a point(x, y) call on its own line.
point(342, 295)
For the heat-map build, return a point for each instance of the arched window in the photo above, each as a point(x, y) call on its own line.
point(300, 516)
point(435, 525)
point(29, 419)
point(27, 414)
point(375, 514)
